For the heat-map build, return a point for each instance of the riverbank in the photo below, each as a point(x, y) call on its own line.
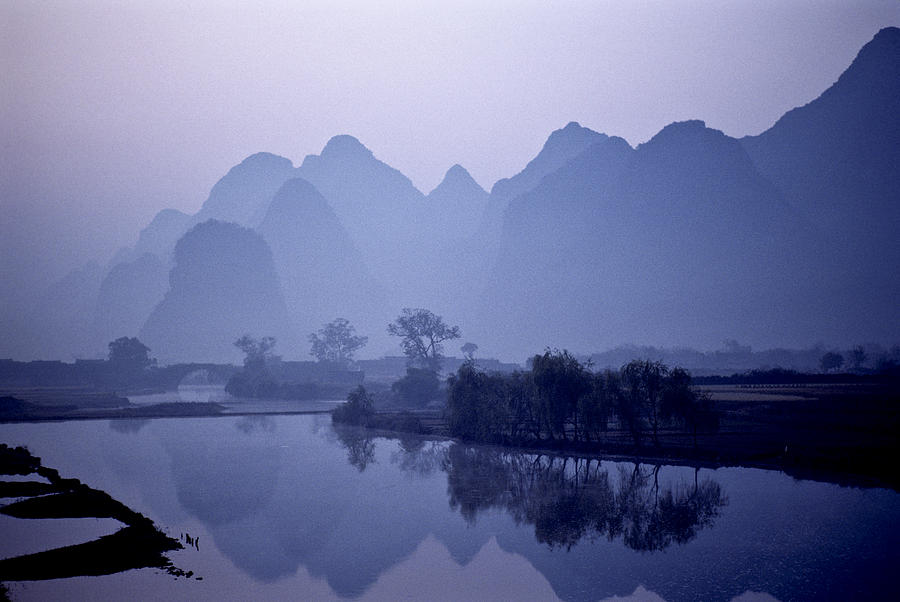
point(138, 544)
point(852, 460)
point(846, 433)
point(16, 410)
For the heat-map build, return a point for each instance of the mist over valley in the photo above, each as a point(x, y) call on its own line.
point(785, 239)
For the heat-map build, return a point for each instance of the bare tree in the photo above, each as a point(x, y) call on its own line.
point(335, 342)
point(421, 334)
point(858, 357)
point(831, 361)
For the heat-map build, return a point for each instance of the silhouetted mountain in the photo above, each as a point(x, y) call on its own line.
point(679, 240)
point(465, 264)
point(456, 204)
point(562, 146)
point(243, 195)
point(785, 238)
point(128, 294)
point(58, 323)
point(837, 159)
point(223, 285)
point(161, 234)
point(376, 203)
point(451, 252)
point(136, 282)
point(136, 279)
point(321, 271)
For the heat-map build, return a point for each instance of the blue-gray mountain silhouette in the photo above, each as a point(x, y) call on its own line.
point(377, 204)
point(161, 234)
point(456, 205)
point(223, 285)
point(321, 271)
point(837, 159)
point(243, 194)
point(128, 294)
point(562, 146)
point(680, 239)
point(158, 237)
point(58, 322)
point(784, 238)
point(465, 263)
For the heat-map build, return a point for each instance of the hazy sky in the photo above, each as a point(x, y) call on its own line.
point(113, 110)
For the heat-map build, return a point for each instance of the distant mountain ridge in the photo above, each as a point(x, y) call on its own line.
point(322, 273)
point(837, 156)
point(837, 161)
point(223, 285)
point(456, 206)
point(784, 238)
point(561, 146)
point(243, 194)
point(671, 240)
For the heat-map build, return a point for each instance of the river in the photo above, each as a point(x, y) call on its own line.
point(288, 507)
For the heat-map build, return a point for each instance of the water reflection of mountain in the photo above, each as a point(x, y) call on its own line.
point(274, 501)
point(281, 493)
point(567, 501)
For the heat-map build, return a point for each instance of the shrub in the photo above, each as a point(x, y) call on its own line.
point(417, 388)
point(358, 409)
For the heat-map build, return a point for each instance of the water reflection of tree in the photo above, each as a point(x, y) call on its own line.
point(568, 499)
point(359, 443)
point(420, 457)
point(128, 425)
point(414, 454)
point(253, 423)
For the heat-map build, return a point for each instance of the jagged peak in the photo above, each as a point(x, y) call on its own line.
point(458, 177)
point(294, 195)
point(562, 145)
point(344, 145)
point(297, 187)
point(871, 78)
point(266, 160)
point(688, 125)
point(878, 59)
point(167, 215)
point(889, 35)
point(678, 131)
point(573, 131)
point(457, 171)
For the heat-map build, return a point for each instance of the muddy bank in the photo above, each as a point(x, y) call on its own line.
point(138, 544)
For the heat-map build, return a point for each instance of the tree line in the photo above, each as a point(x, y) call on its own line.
point(561, 401)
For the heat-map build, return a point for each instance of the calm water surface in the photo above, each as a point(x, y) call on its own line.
point(288, 507)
